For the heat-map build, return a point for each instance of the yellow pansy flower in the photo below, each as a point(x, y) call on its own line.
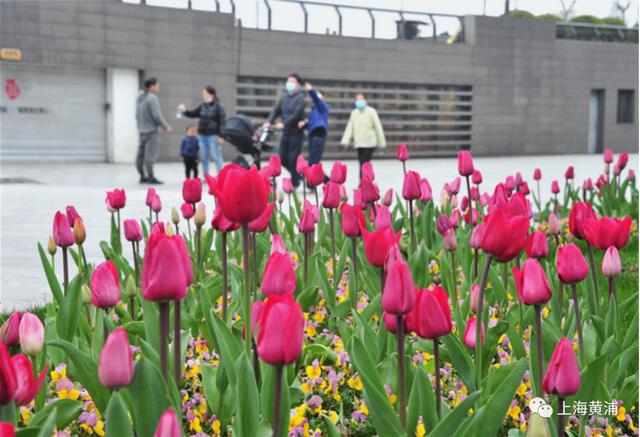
point(99, 428)
point(355, 383)
point(420, 430)
point(313, 372)
point(621, 412)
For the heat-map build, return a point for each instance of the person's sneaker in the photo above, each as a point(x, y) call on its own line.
point(154, 181)
point(144, 179)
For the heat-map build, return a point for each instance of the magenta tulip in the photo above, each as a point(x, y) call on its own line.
point(192, 190)
point(280, 330)
point(242, 194)
point(403, 152)
point(331, 195)
point(470, 333)
point(261, 223)
point(10, 330)
point(279, 275)
point(411, 185)
point(26, 386)
point(531, 283)
point(431, 316)
point(465, 163)
point(62, 234)
point(166, 268)
point(563, 375)
point(132, 230)
point(168, 425)
point(352, 220)
point(105, 286)
point(116, 198)
point(537, 245)
point(571, 265)
point(398, 297)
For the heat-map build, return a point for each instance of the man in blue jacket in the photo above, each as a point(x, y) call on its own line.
point(317, 125)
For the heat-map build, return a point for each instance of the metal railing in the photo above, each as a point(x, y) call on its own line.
point(596, 32)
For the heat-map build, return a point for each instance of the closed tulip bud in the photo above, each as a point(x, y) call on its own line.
point(554, 224)
point(262, 222)
point(352, 220)
point(454, 201)
point(26, 386)
point(403, 152)
point(531, 283)
point(157, 227)
point(426, 194)
point(563, 375)
point(587, 185)
point(187, 211)
point(175, 217)
point(31, 333)
point(9, 331)
point(166, 268)
point(399, 292)
point(571, 265)
point(132, 230)
point(277, 244)
point(510, 183)
point(200, 217)
point(608, 156)
point(611, 264)
point(450, 240)
point(287, 185)
point(537, 426)
point(569, 173)
point(631, 175)
point(555, 188)
point(279, 275)
point(338, 173)
point(387, 199)
point(280, 330)
point(331, 195)
point(623, 159)
point(367, 171)
point(383, 217)
point(116, 199)
point(308, 220)
point(51, 246)
point(465, 163)
point(168, 425)
point(192, 190)
point(242, 194)
point(130, 286)
point(473, 300)
point(524, 188)
point(616, 170)
point(151, 193)
point(431, 316)
point(537, 174)
point(370, 192)
point(170, 230)
point(85, 290)
point(470, 333)
point(275, 164)
point(476, 237)
point(411, 185)
point(378, 243)
point(443, 223)
point(357, 199)
point(580, 212)
point(156, 204)
point(79, 231)
point(301, 164)
point(444, 198)
point(464, 204)
point(476, 177)
point(62, 234)
point(115, 366)
point(537, 246)
point(454, 186)
point(105, 287)
point(72, 215)
point(280, 197)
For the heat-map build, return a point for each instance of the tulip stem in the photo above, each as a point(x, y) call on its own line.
point(436, 354)
point(277, 402)
point(576, 307)
point(471, 220)
point(475, 265)
point(333, 249)
point(306, 255)
point(402, 409)
point(84, 262)
point(135, 262)
point(593, 276)
point(164, 334)
point(561, 299)
point(411, 227)
point(354, 260)
point(540, 351)
point(189, 228)
point(65, 268)
point(382, 280)
point(198, 242)
point(315, 191)
point(254, 264)
point(177, 362)
point(478, 352)
point(613, 292)
point(453, 279)
point(539, 200)
point(247, 291)
point(225, 278)
point(150, 217)
point(560, 417)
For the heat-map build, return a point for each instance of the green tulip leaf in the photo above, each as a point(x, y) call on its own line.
point(52, 279)
point(117, 422)
point(67, 411)
point(246, 422)
point(67, 319)
point(149, 397)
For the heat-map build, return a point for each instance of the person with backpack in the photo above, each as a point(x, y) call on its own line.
point(211, 123)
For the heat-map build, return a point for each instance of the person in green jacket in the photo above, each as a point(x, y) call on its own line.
point(364, 131)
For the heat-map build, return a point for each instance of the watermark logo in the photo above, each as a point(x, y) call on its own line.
point(578, 408)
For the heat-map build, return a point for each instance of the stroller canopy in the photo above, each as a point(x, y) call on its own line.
point(238, 131)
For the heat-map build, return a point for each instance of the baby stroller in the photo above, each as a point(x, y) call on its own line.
point(250, 142)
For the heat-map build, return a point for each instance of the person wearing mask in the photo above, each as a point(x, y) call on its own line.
point(149, 118)
point(211, 121)
point(317, 125)
point(364, 131)
point(290, 108)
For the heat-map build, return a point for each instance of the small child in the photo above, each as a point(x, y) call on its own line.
point(189, 151)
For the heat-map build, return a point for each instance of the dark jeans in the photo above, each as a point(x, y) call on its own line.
point(364, 155)
point(190, 166)
point(147, 153)
point(290, 148)
point(316, 149)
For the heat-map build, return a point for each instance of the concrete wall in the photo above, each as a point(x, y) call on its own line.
point(530, 90)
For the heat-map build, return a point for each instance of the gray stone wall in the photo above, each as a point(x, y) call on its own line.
point(530, 90)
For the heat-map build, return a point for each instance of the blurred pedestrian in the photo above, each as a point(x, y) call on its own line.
point(317, 125)
point(189, 150)
point(149, 118)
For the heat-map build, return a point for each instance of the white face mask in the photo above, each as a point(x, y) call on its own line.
point(290, 87)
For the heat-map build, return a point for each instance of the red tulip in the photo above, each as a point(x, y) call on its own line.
point(391, 322)
point(378, 243)
point(10, 330)
point(563, 375)
point(8, 383)
point(62, 234)
point(221, 223)
point(571, 265)
point(26, 386)
point(370, 192)
point(608, 156)
point(476, 177)
point(367, 170)
point(314, 175)
point(72, 215)
point(383, 217)
point(279, 275)
point(611, 264)
point(580, 212)
point(537, 174)
point(338, 173)
point(470, 333)
point(261, 223)
point(569, 173)
point(117, 198)
point(151, 193)
point(281, 330)
point(411, 185)
point(504, 237)
point(242, 194)
point(537, 246)
point(403, 152)
point(301, 164)
point(555, 188)
point(531, 283)
point(187, 210)
point(465, 163)
point(105, 287)
point(357, 199)
point(166, 268)
point(308, 219)
point(425, 191)
point(156, 204)
point(31, 332)
point(607, 231)
point(275, 165)
point(132, 230)
point(352, 220)
point(431, 317)
point(331, 195)
point(519, 205)
point(399, 293)
point(168, 425)
point(6, 429)
point(623, 158)
point(115, 366)
point(192, 190)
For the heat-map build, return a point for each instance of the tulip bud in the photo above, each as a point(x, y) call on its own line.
point(537, 174)
point(387, 199)
point(537, 246)
point(465, 163)
point(105, 285)
point(555, 188)
point(608, 156)
point(166, 268)
point(31, 334)
point(571, 265)
point(403, 152)
point(132, 230)
point(115, 365)
point(563, 375)
point(450, 240)
point(537, 426)
point(531, 283)
point(411, 185)
point(431, 315)
point(425, 191)
point(569, 173)
point(338, 173)
point(287, 185)
point(168, 425)
point(398, 296)
point(280, 330)
point(130, 288)
point(51, 246)
point(201, 215)
point(175, 217)
point(476, 177)
point(187, 210)
point(170, 230)
point(631, 176)
point(476, 237)
point(611, 264)
point(280, 197)
point(86, 294)
point(79, 231)
point(62, 234)
point(473, 301)
point(470, 333)
point(9, 332)
point(554, 224)
point(616, 170)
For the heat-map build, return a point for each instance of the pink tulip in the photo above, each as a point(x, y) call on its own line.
point(166, 268)
point(221, 223)
point(387, 199)
point(280, 330)
point(531, 283)
point(470, 333)
point(443, 224)
point(554, 224)
point(537, 246)
point(132, 230)
point(411, 185)
point(473, 300)
point(151, 193)
point(476, 177)
point(450, 240)
point(331, 195)
point(367, 171)
point(518, 179)
point(579, 214)
point(563, 375)
point(378, 243)
point(352, 220)
point(403, 152)
point(465, 163)
point(279, 275)
point(187, 210)
point(314, 174)
point(370, 192)
point(26, 386)
point(277, 244)
point(571, 265)
point(242, 194)
point(391, 323)
point(168, 425)
point(357, 199)
point(399, 292)
point(338, 173)
point(9, 332)
point(8, 383)
point(105, 287)
point(192, 190)
point(555, 188)
point(510, 183)
point(504, 236)
point(275, 166)
point(431, 316)
point(31, 332)
point(62, 234)
point(569, 173)
point(587, 185)
point(287, 185)
point(301, 164)
point(631, 176)
point(72, 215)
point(156, 204)
point(261, 223)
point(537, 174)
point(608, 156)
point(7, 429)
point(623, 159)
point(117, 198)
point(611, 264)
point(256, 312)
point(115, 366)
point(425, 191)
point(476, 237)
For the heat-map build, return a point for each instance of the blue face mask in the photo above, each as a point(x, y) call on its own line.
point(290, 86)
point(360, 104)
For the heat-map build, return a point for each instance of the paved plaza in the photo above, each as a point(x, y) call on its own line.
point(32, 193)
